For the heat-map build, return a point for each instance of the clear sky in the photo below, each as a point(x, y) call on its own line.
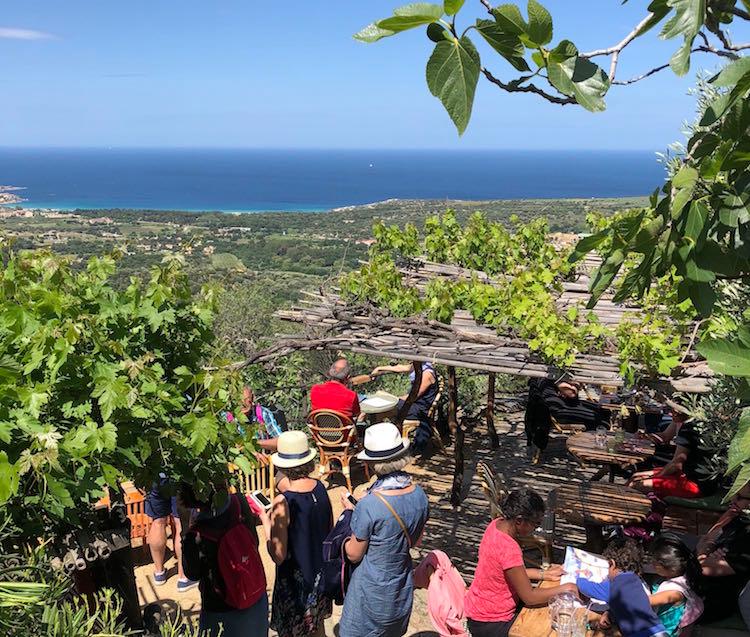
point(236, 73)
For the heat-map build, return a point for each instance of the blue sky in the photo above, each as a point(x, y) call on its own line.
point(234, 73)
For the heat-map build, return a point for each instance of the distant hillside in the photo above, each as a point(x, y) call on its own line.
point(319, 244)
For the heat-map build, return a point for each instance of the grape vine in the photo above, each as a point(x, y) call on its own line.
point(532, 270)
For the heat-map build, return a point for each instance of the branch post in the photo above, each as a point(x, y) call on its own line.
point(458, 437)
point(494, 440)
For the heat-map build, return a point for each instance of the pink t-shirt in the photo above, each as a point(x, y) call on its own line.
point(490, 598)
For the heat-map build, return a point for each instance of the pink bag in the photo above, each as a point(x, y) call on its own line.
point(446, 590)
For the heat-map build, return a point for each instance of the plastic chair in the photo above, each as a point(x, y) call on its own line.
point(335, 436)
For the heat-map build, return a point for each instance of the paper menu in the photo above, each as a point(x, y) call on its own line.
point(579, 563)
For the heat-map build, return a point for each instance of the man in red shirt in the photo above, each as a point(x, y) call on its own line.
point(335, 393)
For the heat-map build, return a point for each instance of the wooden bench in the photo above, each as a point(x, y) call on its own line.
point(693, 516)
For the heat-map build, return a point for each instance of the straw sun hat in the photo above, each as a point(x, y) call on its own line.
point(293, 450)
point(380, 402)
point(383, 442)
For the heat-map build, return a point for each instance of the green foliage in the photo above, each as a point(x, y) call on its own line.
point(452, 76)
point(695, 232)
point(722, 424)
point(99, 384)
point(454, 67)
point(527, 271)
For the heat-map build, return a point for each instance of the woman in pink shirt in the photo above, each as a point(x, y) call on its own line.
point(501, 579)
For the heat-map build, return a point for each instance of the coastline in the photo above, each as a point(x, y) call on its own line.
point(26, 206)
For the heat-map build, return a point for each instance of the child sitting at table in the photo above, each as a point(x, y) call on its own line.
point(675, 592)
point(624, 592)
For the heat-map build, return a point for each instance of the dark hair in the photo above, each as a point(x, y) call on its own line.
point(299, 472)
point(522, 503)
point(626, 553)
point(670, 552)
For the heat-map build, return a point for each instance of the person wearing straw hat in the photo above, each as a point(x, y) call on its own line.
point(301, 518)
point(385, 524)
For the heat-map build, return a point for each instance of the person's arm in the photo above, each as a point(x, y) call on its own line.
point(270, 444)
point(392, 369)
point(675, 465)
point(663, 437)
point(665, 597)
point(428, 378)
point(356, 549)
point(715, 564)
point(361, 523)
point(551, 574)
point(593, 590)
point(519, 581)
point(279, 530)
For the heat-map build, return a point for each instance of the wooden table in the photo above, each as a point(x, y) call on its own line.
point(595, 505)
point(583, 448)
point(535, 622)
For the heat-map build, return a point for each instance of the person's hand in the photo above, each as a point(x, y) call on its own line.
point(376, 372)
point(569, 588)
point(264, 517)
point(554, 572)
point(345, 502)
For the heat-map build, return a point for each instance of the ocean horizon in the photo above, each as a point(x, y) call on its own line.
point(234, 180)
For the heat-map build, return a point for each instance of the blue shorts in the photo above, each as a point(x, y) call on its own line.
point(159, 505)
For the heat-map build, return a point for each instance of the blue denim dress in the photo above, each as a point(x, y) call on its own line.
point(379, 599)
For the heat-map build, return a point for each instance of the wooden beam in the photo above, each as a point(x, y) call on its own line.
point(458, 437)
point(494, 440)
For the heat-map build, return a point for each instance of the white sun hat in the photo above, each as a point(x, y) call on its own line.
point(380, 402)
point(383, 442)
point(293, 450)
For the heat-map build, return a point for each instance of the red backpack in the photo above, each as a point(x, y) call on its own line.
point(238, 559)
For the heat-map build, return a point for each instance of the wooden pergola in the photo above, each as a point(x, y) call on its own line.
point(330, 322)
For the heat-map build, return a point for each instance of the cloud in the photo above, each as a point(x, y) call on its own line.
point(121, 75)
point(24, 34)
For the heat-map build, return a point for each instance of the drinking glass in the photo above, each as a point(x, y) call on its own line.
point(600, 437)
point(561, 609)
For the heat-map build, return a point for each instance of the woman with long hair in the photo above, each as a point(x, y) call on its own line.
point(675, 594)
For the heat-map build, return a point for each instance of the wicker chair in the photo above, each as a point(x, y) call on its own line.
point(494, 490)
point(409, 426)
point(336, 438)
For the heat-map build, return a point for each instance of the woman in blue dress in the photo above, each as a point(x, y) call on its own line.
point(385, 524)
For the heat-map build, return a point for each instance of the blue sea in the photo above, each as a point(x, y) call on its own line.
point(314, 180)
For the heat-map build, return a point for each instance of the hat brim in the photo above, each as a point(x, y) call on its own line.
point(363, 455)
point(288, 463)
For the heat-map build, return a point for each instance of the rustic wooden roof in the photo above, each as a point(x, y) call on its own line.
point(464, 343)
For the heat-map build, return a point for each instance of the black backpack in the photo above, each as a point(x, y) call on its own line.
point(337, 570)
